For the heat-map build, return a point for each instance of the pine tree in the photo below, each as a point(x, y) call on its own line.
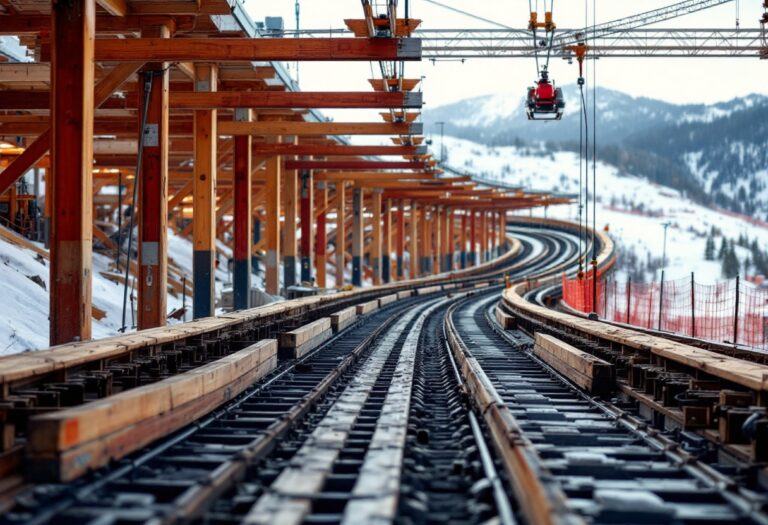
point(730, 266)
point(709, 249)
point(723, 249)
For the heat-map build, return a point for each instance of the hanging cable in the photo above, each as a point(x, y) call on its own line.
point(148, 77)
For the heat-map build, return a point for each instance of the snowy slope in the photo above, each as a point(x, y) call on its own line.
point(632, 207)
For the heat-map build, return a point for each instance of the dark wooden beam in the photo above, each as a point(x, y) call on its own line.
point(290, 99)
point(353, 165)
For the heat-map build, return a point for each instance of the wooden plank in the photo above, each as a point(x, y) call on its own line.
point(354, 165)
point(299, 342)
point(404, 294)
point(426, 290)
point(257, 49)
point(343, 318)
point(290, 99)
point(66, 444)
point(388, 299)
point(366, 308)
point(324, 150)
point(589, 372)
point(506, 321)
point(322, 129)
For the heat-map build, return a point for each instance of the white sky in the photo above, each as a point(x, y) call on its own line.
point(689, 80)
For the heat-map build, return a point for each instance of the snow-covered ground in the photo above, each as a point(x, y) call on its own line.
point(633, 208)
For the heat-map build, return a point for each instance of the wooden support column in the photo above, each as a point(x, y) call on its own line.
point(437, 240)
point(472, 238)
point(341, 232)
point(426, 243)
point(463, 241)
point(386, 264)
point(375, 252)
point(321, 242)
point(483, 236)
point(291, 214)
point(73, 31)
point(153, 193)
point(274, 168)
point(243, 191)
point(307, 224)
point(357, 236)
point(413, 252)
point(449, 247)
point(400, 241)
point(492, 249)
point(503, 229)
point(204, 198)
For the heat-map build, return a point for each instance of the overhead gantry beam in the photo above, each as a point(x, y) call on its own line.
point(257, 49)
point(292, 99)
point(355, 165)
point(330, 150)
point(324, 129)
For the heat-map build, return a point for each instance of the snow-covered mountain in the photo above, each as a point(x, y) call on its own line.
point(631, 206)
point(717, 154)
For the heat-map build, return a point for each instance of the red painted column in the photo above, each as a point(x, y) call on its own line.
point(307, 214)
point(472, 238)
point(241, 282)
point(73, 32)
point(153, 194)
point(463, 241)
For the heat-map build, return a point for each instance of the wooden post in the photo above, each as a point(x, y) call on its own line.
point(375, 252)
point(472, 238)
point(274, 166)
point(413, 242)
point(204, 197)
point(307, 224)
point(341, 232)
point(291, 212)
point(357, 236)
point(426, 242)
point(386, 265)
point(463, 241)
point(494, 238)
point(241, 285)
point(448, 241)
point(153, 194)
point(73, 32)
point(400, 242)
point(483, 236)
point(321, 242)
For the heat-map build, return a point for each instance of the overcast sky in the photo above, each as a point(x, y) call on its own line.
point(674, 80)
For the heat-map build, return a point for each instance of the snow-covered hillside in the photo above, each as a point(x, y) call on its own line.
point(633, 208)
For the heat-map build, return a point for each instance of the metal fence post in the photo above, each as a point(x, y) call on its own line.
point(661, 298)
point(693, 306)
point(736, 315)
point(629, 297)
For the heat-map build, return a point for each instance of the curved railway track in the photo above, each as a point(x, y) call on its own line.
point(425, 410)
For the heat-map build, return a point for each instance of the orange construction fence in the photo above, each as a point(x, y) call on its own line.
point(732, 311)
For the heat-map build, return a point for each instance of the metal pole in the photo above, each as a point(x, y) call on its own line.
point(736, 315)
point(661, 298)
point(664, 249)
point(693, 306)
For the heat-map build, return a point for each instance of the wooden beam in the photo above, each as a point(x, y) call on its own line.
point(153, 200)
point(292, 99)
point(291, 215)
point(72, 75)
point(370, 176)
point(26, 73)
point(329, 150)
point(386, 265)
point(413, 252)
point(114, 7)
point(353, 165)
point(375, 254)
point(257, 49)
point(322, 129)
point(463, 242)
point(35, 151)
point(400, 241)
point(204, 198)
point(472, 238)
point(241, 285)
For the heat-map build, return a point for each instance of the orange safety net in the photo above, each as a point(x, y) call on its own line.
point(729, 311)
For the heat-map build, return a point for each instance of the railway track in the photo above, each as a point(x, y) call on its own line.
point(199, 472)
point(424, 410)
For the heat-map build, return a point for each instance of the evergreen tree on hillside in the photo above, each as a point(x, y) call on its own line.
point(723, 249)
point(709, 249)
point(730, 266)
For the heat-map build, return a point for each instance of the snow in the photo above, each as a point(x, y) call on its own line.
point(632, 207)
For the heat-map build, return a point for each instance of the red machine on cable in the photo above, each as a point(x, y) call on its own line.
point(545, 101)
